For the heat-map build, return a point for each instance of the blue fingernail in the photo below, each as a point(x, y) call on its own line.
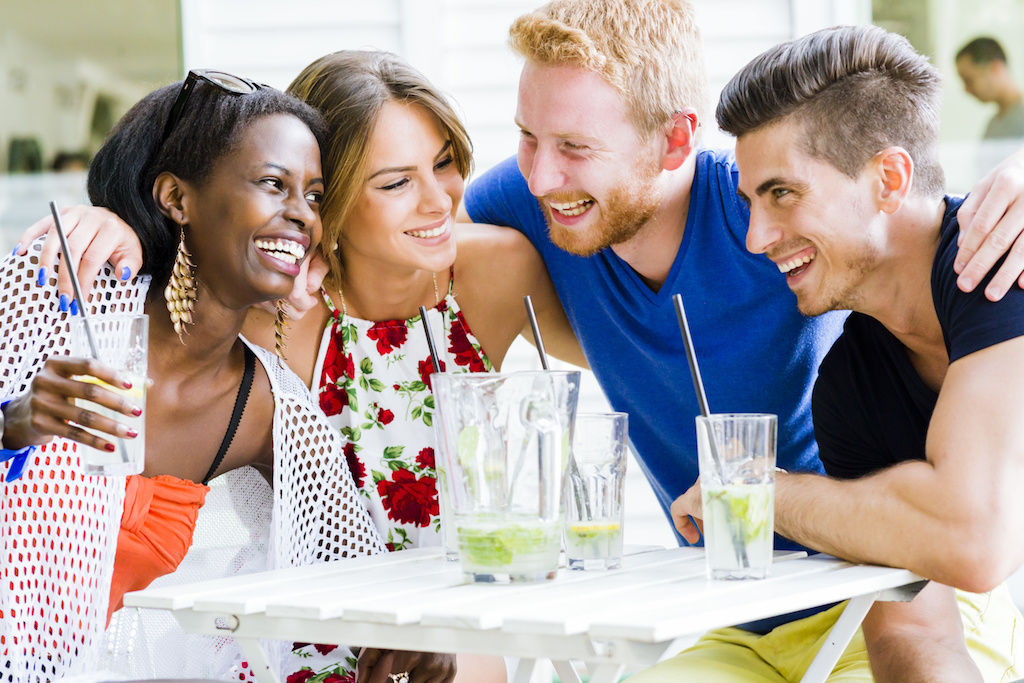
point(64, 303)
point(126, 273)
point(42, 277)
point(74, 307)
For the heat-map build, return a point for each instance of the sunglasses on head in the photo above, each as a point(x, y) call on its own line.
point(225, 82)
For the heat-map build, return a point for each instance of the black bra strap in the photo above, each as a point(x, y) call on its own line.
point(236, 415)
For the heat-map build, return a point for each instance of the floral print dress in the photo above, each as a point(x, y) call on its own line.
point(374, 386)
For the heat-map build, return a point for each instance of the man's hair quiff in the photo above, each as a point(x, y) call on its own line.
point(855, 89)
point(648, 50)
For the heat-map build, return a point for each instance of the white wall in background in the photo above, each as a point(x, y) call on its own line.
point(461, 45)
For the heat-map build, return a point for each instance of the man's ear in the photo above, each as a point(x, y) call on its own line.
point(169, 192)
point(894, 168)
point(680, 137)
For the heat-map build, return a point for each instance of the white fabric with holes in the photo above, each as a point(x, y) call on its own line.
point(58, 528)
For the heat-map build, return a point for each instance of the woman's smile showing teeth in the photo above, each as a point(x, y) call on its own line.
point(288, 252)
point(431, 232)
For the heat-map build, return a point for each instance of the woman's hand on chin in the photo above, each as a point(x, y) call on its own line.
point(306, 292)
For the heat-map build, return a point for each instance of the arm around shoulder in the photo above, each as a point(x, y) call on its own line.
point(495, 268)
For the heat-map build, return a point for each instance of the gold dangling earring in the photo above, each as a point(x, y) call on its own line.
point(280, 327)
point(181, 293)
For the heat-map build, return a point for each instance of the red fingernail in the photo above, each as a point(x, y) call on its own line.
point(131, 433)
point(136, 411)
point(108, 447)
point(127, 384)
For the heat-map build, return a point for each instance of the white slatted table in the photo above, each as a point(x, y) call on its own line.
point(415, 600)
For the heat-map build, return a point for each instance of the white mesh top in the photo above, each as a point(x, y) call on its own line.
point(58, 528)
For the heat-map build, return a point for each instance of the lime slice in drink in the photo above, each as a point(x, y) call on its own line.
point(748, 508)
point(589, 530)
point(466, 445)
point(498, 544)
point(135, 394)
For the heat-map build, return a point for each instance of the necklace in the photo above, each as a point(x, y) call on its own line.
point(344, 309)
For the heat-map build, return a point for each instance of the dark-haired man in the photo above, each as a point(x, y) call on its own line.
point(983, 68)
point(919, 406)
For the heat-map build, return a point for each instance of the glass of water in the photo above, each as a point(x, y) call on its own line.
point(594, 491)
point(122, 342)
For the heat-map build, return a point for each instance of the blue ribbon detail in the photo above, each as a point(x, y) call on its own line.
point(18, 458)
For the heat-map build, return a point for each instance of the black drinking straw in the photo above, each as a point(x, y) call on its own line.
point(528, 302)
point(93, 349)
point(574, 470)
point(430, 340)
point(74, 280)
point(702, 399)
point(691, 356)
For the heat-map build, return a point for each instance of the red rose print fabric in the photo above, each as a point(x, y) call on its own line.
point(409, 499)
point(374, 386)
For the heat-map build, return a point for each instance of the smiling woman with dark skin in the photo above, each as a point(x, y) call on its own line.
point(268, 186)
point(234, 180)
point(397, 157)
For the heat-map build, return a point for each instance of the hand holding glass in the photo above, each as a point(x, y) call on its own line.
point(122, 343)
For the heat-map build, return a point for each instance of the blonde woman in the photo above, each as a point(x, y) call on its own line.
point(395, 161)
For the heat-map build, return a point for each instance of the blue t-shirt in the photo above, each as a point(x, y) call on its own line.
point(757, 353)
point(871, 408)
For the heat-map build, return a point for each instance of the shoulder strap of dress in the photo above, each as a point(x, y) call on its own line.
point(241, 398)
point(330, 304)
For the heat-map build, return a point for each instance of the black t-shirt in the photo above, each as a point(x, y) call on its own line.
point(871, 409)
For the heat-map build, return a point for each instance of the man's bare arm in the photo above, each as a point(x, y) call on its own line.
point(949, 518)
point(495, 267)
point(921, 641)
point(559, 338)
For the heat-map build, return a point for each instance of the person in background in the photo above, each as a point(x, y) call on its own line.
point(986, 76)
point(70, 161)
point(982, 65)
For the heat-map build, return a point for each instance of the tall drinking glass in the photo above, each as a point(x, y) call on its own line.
point(122, 342)
point(736, 454)
point(504, 447)
point(594, 491)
